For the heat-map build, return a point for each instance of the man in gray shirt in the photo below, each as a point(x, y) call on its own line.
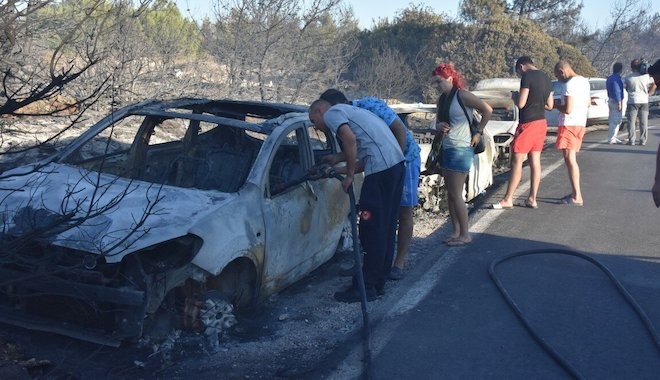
point(366, 148)
point(639, 86)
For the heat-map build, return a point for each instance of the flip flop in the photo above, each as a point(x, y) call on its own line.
point(528, 204)
point(499, 206)
point(568, 200)
point(448, 239)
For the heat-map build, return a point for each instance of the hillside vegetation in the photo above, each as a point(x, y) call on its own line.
point(103, 53)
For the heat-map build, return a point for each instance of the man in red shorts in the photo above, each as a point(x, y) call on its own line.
point(534, 98)
point(572, 124)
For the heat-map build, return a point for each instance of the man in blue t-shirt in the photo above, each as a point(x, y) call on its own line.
point(366, 148)
point(411, 151)
point(614, 86)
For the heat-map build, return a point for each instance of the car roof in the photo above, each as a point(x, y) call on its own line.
point(595, 84)
point(223, 107)
point(231, 113)
point(506, 84)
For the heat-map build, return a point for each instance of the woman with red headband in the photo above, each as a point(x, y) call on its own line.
point(457, 143)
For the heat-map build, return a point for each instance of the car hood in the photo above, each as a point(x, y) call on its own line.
point(497, 127)
point(99, 213)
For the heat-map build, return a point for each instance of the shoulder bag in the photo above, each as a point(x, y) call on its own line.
point(474, 128)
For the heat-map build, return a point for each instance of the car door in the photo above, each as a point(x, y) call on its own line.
point(303, 217)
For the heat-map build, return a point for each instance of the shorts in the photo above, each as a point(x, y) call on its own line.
point(570, 137)
point(457, 159)
point(530, 136)
point(409, 197)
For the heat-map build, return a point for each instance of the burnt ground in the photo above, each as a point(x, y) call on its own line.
point(291, 335)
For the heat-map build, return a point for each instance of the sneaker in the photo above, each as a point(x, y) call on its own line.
point(642, 143)
point(352, 294)
point(396, 273)
point(631, 143)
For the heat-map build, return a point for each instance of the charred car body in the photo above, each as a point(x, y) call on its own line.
point(159, 206)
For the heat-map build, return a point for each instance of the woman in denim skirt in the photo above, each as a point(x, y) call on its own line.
point(457, 143)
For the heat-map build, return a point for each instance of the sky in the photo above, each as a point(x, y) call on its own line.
point(595, 12)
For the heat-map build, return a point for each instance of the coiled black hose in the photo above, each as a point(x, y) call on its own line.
point(552, 352)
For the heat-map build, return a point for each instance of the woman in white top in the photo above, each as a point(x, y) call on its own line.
point(457, 143)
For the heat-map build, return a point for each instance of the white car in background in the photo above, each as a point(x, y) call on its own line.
point(598, 112)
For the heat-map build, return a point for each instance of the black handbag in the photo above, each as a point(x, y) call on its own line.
point(434, 159)
point(474, 128)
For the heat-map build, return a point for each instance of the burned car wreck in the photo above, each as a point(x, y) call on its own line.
point(160, 207)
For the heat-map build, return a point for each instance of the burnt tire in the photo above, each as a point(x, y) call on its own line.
point(238, 283)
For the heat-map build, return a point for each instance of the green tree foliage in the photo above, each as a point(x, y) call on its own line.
point(171, 34)
point(473, 11)
point(479, 49)
point(555, 17)
point(412, 35)
point(484, 43)
point(490, 50)
point(291, 50)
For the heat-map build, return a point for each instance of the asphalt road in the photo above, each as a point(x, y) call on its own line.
point(452, 322)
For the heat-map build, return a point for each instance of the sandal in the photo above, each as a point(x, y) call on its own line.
point(500, 206)
point(529, 204)
point(448, 239)
point(568, 200)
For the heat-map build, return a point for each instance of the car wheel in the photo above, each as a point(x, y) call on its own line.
point(238, 283)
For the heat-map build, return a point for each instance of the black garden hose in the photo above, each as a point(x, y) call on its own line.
point(326, 171)
point(551, 351)
point(360, 280)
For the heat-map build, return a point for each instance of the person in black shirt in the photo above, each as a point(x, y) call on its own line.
point(533, 99)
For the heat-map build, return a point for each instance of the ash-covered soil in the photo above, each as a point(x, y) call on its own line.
point(292, 335)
